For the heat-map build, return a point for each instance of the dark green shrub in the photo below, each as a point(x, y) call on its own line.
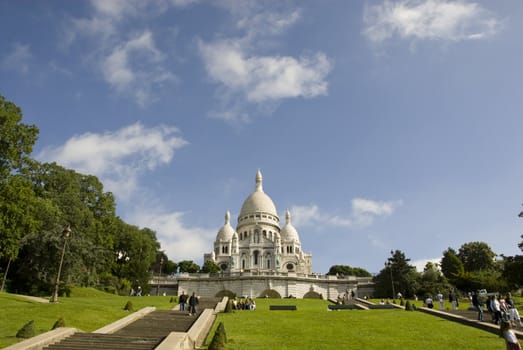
point(128, 306)
point(220, 338)
point(27, 331)
point(228, 306)
point(408, 306)
point(59, 323)
point(172, 300)
point(402, 303)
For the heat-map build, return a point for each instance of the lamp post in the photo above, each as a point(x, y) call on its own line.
point(159, 275)
point(389, 265)
point(54, 298)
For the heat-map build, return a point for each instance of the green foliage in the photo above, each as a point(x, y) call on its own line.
point(409, 306)
point(27, 331)
point(128, 306)
point(59, 323)
point(220, 338)
point(228, 307)
point(451, 265)
point(476, 256)
point(513, 271)
point(210, 267)
point(188, 266)
point(16, 139)
point(173, 300)
point(431, 280)
point(345, 270)
point(399, 272)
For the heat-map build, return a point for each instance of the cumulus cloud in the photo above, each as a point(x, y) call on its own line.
point(118, 158)
point(363, 213)
point(247, 77)
point(134, 67)
point(262, 78)
point(429, 20)
point(177, 240)
point(131, 64)
point(18, 59)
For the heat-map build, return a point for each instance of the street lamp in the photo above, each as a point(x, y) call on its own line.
point(389, 265)
point(54, 298)
point(159, 275)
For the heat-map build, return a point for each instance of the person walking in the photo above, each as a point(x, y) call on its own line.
point(183, 301)
point(478, 304)
point(505, 332)
point(193, 301)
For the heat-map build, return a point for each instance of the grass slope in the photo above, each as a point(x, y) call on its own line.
point(87, 309)
point(313, 327)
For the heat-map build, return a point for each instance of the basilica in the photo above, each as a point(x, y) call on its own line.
point(258, 243)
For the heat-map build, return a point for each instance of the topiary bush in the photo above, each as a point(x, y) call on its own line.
point(27, 331)
point(228, 306)
point(59, 323)
point(129, 306)
point(220, 338)
point(408, 306)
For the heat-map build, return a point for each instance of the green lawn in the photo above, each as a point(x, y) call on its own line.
point(86, 309)
point(313, 327)
point(310, 327)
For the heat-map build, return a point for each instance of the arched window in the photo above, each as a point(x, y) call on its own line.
point(256, 253)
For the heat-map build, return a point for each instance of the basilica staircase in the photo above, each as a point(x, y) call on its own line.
point(143, 334)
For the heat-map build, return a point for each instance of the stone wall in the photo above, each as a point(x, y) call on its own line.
point(255, 286)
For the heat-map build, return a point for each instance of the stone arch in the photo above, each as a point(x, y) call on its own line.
point(312, 295)
point(225, 293)
point(270, 293)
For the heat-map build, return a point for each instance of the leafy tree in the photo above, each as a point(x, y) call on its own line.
point(348, 271)
point(513, 271)
point(431, 280)
point(210, 267)
point(451, 265)
point(16, 139)
point(398, 273)
point(188, 266)
point(476, 256)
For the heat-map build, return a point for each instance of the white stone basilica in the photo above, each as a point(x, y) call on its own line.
point(259, 244)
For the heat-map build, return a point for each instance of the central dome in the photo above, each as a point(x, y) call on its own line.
point(258, 201)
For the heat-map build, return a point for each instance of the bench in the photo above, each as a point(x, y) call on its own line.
point(342, 307)
point(282, 307)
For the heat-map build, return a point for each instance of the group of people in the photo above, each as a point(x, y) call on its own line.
point(188, 301)
point(500, 309)
point(244, 304)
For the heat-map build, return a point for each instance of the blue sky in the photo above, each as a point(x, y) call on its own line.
point(379, 124)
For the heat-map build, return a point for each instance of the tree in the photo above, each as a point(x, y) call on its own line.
point(476, 256)
point(210, 267)
point(398, 273)
point(16, 139)
point(344, 270)
point(188, 266)
point(431, 280)
point(451, 265)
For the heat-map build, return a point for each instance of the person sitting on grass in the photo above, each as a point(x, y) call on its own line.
point(505, 332)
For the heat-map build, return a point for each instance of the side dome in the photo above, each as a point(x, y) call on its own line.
point(226, 231)
point(258, 201)
point(288, 232)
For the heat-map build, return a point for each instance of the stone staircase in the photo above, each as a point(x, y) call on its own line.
point(143, 334)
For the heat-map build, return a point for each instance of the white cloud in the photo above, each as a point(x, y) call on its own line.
point(429, 20)
point(420, 264)
point(258, 79)
point(18, 59)
point(118, 158)
point(247, 77)
point(178, 241)
point(363, 213)
point(134, 68)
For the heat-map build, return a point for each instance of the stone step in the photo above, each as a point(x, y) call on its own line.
point(143, 334)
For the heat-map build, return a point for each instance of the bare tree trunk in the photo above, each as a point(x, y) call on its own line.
point(5, 275)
